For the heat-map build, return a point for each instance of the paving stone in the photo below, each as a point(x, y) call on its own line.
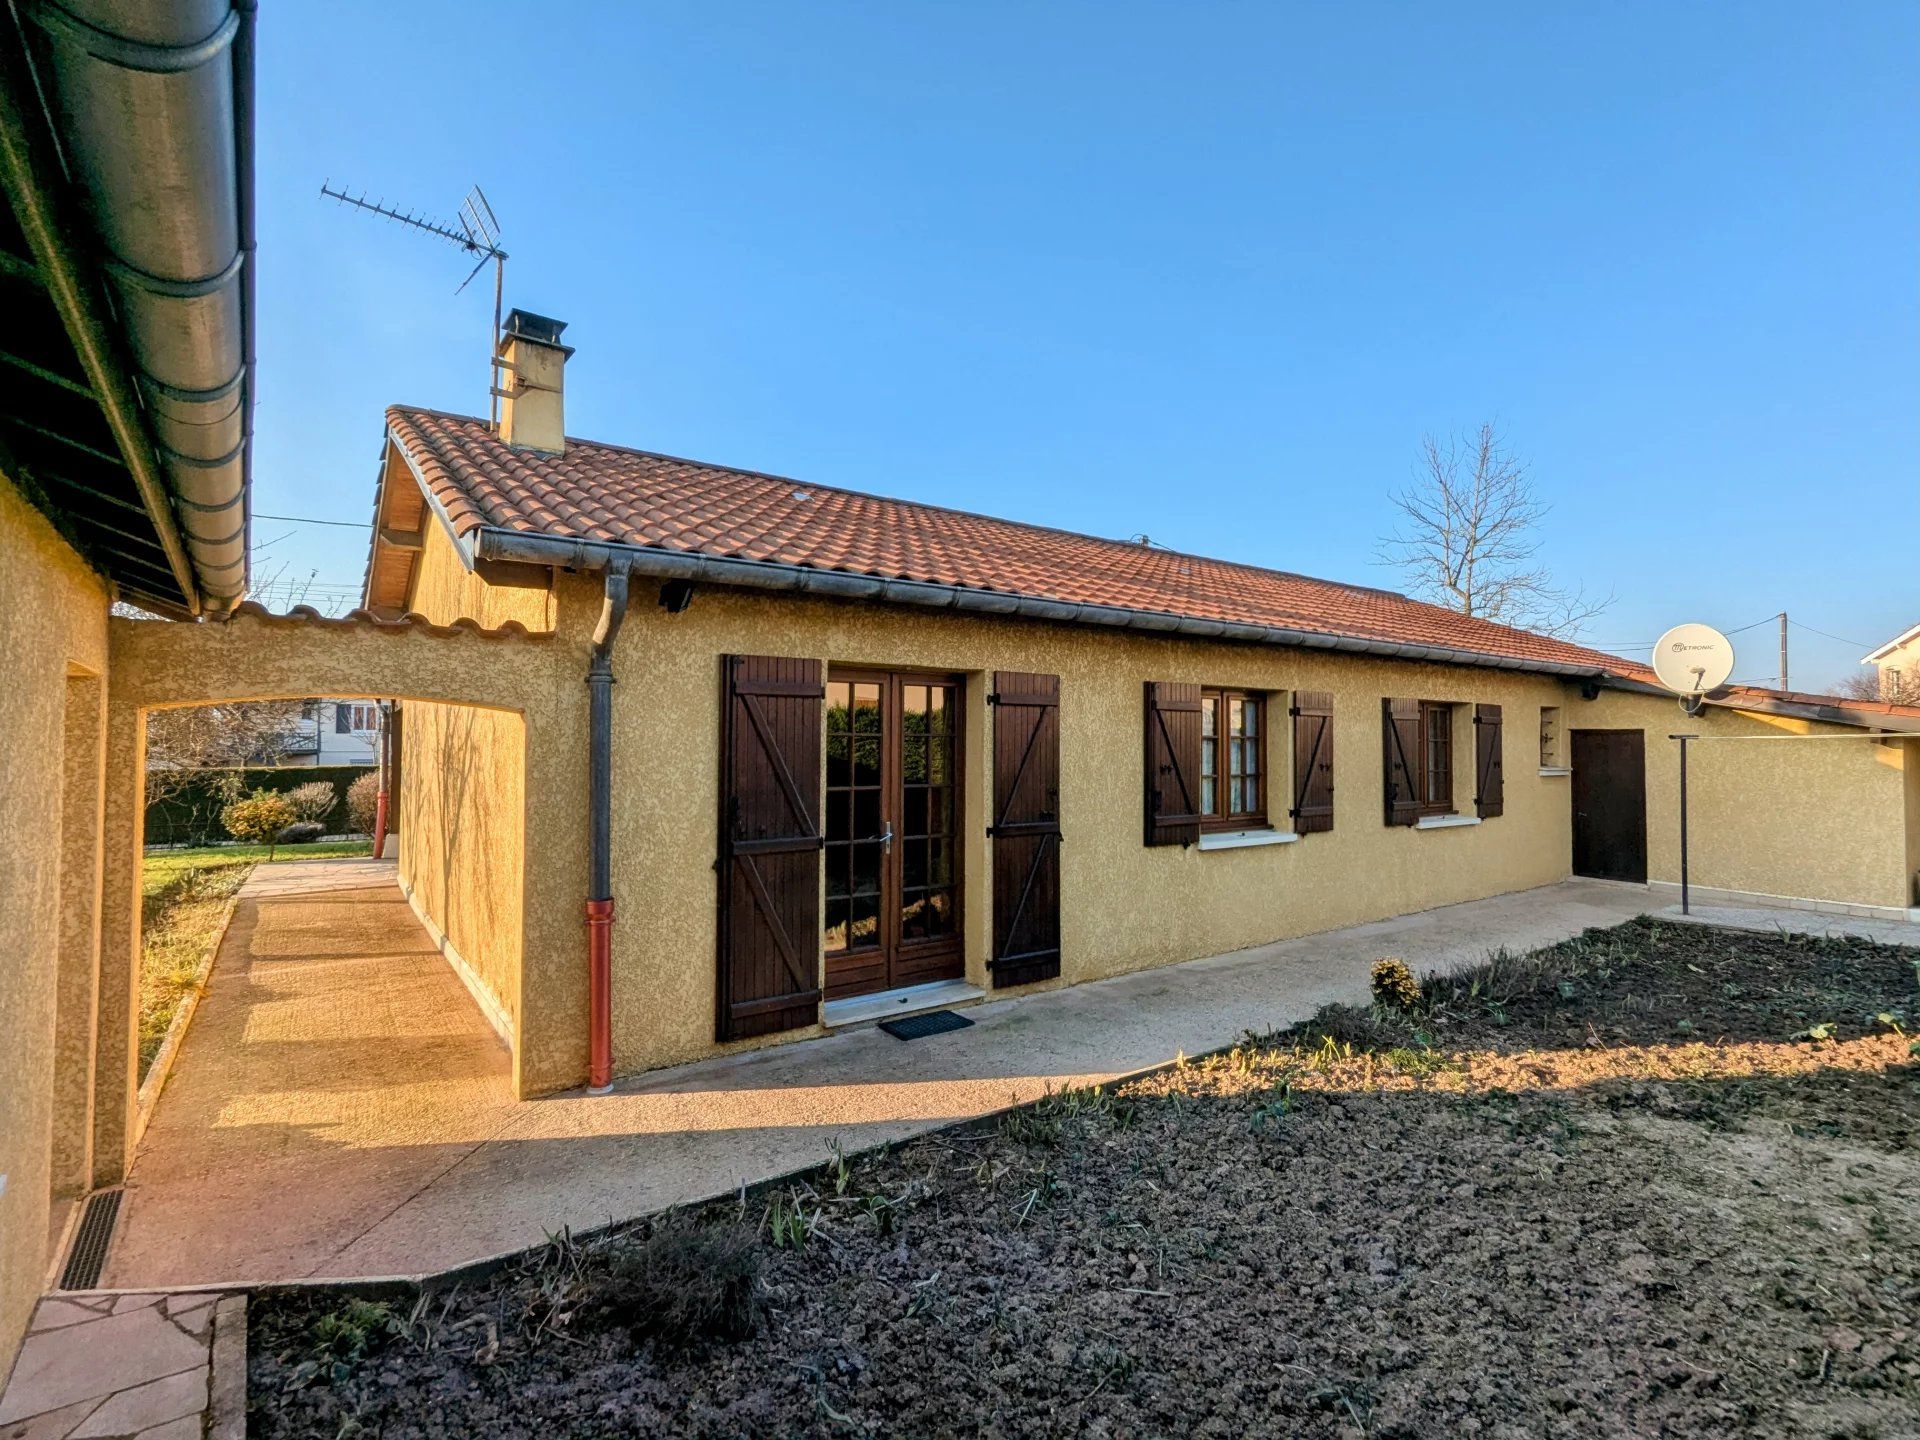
point(55, 1313)
point(125, 1303)
point(112, 1353)
point(53, 1425)
point(146, 1406)
point(183, 1429)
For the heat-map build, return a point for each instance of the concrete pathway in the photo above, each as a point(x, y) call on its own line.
point(154, 1367)
point(1767, 918)
point(340, 1108)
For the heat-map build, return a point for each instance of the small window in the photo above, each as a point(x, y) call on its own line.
point(1436, 744)
point(1233, 760)
point(1890, 683)
point(1549, 737)
point(363, 717)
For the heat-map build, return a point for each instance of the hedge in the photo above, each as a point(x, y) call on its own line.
point(192, 816)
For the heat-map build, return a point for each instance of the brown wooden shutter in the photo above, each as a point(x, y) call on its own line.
point(1489, 778)
point(1173, 763)
point(1401, 750)
point(770, 843)
point(1026, 827)
point(1312, 713)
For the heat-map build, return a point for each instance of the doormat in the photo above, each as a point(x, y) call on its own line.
point(918, 1027)
point(89, 1253)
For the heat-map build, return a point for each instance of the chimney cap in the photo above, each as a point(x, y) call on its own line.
point(540, 329)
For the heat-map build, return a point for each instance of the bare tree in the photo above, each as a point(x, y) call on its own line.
point(184, 745)
point(1894, 687)
point(1468, 533)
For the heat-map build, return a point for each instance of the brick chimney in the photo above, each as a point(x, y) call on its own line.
point(533, 409)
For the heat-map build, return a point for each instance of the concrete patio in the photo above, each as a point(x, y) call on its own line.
point(340, 1107)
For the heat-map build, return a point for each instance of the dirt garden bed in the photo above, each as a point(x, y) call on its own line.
point(1659, 1180)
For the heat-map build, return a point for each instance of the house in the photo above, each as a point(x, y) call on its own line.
point(1899, 665)
point(849, 754)
point(335, 732)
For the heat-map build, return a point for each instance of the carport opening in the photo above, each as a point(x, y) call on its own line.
point(301, 785)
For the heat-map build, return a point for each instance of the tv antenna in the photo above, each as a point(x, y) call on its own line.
point(478, 235)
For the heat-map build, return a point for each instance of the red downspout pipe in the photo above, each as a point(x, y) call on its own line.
point(613, 611)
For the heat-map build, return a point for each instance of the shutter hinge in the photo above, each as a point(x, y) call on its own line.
point(993, 697)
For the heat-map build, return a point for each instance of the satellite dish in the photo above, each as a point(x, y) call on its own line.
point(1691, 660)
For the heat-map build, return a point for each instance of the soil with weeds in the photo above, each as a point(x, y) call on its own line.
point(1658, 1180)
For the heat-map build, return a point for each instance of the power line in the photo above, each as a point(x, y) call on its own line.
point(309, 520)
point(1862, 644)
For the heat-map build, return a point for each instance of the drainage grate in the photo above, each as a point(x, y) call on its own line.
point(918, 1027)
point(89, 1253)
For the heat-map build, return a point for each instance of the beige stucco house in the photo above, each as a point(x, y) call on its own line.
point(1898, 663)
point(855, 755)
point(697, 759)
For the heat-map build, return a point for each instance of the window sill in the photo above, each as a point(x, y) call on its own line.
point(1556, 770)
point(1240, 839)
point(1445, 822)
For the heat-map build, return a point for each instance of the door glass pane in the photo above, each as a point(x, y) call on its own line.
point(865, 928)
point(837, 924)
point(866, 869)
point(913, 815)
point(913, 863)
point(866, 814)
point(940, 862)
point(937, 913)
point(937, 702)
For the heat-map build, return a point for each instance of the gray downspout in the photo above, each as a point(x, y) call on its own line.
point(613, 612)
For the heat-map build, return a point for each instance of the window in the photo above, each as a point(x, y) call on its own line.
point(363, 717)
point(1233, 769)
point(1549, 737)
point(1890, 683)
point(1436, 746)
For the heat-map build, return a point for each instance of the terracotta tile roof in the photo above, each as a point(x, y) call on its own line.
point(614, 494)
point(633, 497)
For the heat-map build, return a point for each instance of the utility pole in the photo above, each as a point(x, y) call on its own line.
point(1783, 651)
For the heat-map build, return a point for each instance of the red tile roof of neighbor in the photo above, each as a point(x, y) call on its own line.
point(616, 495)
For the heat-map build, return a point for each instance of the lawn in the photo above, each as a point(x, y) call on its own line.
point(183, 898)
point(1658, 1180)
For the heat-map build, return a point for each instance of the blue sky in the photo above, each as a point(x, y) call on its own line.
point(1203, 271)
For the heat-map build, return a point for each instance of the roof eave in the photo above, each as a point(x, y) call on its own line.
point(488, 542)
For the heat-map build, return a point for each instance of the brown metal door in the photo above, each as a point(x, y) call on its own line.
point(892, 835)
point(1610, 804)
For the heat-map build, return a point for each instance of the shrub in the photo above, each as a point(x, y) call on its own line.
point(1394, 985)
point(301, 832)
point(684, 1282)
point(258, 818)
point(363, 803)
point(312, 801)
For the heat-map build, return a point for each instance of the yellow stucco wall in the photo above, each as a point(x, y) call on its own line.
point(462, 855)
point(53, 653)
point(1807, 819)
point(444, 590)
point(1125, 906)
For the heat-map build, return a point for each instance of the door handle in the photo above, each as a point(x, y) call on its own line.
point(886, 839)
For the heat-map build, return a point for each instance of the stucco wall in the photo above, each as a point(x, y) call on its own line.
point(462, 852)
point(1125, 906)
point(444, 590)
point(1808, 819)
point(53, 653)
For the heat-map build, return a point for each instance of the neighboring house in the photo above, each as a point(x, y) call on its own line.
point(336, 732)
point(1899, 664)
point(862, 748)
point(125, 415)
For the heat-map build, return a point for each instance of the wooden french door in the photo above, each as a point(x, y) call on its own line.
point(892, 830)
